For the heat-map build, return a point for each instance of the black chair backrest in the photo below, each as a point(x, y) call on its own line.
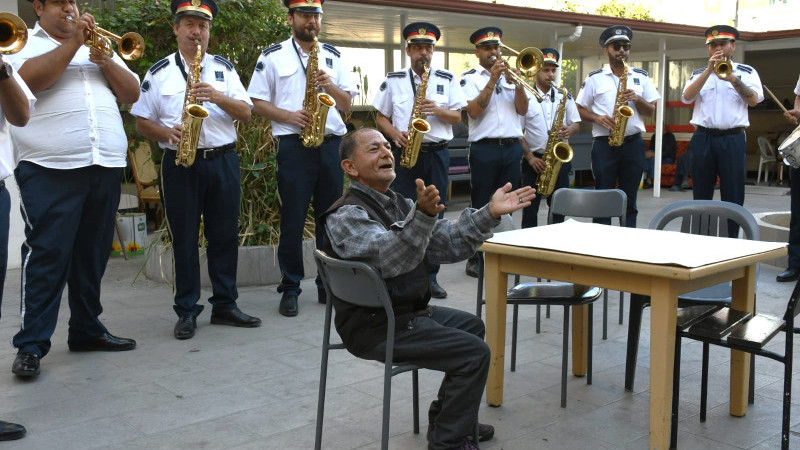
point(593, 203)
point(707, 217)
point(353, 282)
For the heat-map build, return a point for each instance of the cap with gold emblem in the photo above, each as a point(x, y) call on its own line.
point(206, 9)
point(551, 56)
point(486, 36)
point(721, 33)
point(421, 33)
point(312, 6)
point(615, 33)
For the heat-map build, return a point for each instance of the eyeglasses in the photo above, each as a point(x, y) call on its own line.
point(620, 45)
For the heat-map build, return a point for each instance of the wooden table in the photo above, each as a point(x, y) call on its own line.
point(615, 259)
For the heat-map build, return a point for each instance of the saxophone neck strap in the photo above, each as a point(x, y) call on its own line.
point(179, 63)
point(299, 57)
point(411, 80)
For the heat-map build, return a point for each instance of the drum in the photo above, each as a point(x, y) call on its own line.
point(790, 149)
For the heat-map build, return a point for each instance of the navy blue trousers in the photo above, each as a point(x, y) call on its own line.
point(719, 156)
point(5, 210)
point(305, 176)
point(69, 224)
point(794, 223)
point(621, 167)
point(431, 168)
point(530, 178)
point(491, 166)
point(209, 188)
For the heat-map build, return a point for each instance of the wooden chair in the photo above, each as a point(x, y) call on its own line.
point(145, 175)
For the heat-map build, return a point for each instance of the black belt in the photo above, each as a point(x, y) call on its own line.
point(718, 132)
point(432, 146)
point(627, 139)
point(211, 153)
point(327, 138)
point(497, 141)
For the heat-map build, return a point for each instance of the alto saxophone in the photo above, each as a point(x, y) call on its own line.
point(622, 112)
point(417, 125)
point(193, 115)
point(316, 103)
point(556, 151)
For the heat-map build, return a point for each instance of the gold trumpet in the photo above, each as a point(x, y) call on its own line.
point(131, 44)
point(723, 68)
point(13, 33)
point(529, 61)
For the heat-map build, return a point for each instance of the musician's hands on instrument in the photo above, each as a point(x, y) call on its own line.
point(565, 132)
point(301, 118)
point(82, 25)
point(496, 70)
point(793, 115)
point(629, 96)
point(509, 79)
point(400, 138)
point(173, 134)
point(429, 108)
point(204, 92)
point(712, 61)
point(322, 80)
point(605, 121)
point(504, 201)
point(428, 200)
point(536, 163)
point(99, 57)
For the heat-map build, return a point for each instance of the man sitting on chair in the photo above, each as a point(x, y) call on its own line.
point(400, 237)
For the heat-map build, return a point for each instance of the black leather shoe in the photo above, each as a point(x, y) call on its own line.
point(472, 268)
point(185, 326)
point(234, 318)
point(26, 365)
point(11, 431)
point(485, 432)
point(288, 305)
point(437, 291)
point(790, 274)
point(105, 343)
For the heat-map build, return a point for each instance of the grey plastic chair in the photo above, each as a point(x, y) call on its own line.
point(360, 284)
point(704, 217)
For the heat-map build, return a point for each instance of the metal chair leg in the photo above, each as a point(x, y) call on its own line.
point(514, 319)
point(415, 399)
point(589, 342)
point(605, 315)
point(676, 387)
point(704, 384)
point(538, 319)
point(621, 305)
point(564, 359)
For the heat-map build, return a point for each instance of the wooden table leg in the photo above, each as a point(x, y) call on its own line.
point(743, 299)
point(663, 320)
point(496, 285)
point(580, 339)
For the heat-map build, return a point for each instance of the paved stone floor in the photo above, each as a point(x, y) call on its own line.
point(232, 388)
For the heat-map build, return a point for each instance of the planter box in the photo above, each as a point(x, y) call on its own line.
point(774, 227)
point(258, 266)
point(133, 228)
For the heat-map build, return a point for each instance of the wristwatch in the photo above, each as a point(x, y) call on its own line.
point(5, 71)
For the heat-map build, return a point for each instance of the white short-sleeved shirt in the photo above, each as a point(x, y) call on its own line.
point(164, 89)
point(599, 93)
point(500, 118)
point(77, 122)
point(540, 116)
point(797, 88)
point(6, 157)
point(718, 105)
point(280, 78)
point(396, 97)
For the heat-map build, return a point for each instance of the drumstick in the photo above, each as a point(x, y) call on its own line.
point(774, 98)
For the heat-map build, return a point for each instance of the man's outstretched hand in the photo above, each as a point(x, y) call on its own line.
point(505, 202)
point(428, 200)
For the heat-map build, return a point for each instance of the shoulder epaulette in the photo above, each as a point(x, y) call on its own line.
point(641, 71)
point(401, 74)
point(331, 49)
point(699, 71)
point(594, 72)
point(744, 68)
point(224, 61)
point(468, 72)
point(271, 49)
point(569, 95)
point(444, 74)
point(159, 65)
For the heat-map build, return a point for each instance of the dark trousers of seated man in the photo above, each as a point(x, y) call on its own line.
point(449, 341)
point(69, 219)
point(531, 178)
point(621, 167)
point(209, 187)
point(306, 176)
point(431, 168)
point(723, 156)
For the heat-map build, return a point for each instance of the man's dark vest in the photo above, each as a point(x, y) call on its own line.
point(361, 329)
